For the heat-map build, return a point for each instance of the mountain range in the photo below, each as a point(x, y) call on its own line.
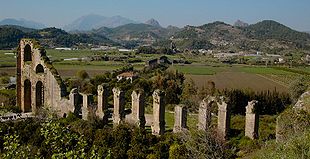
point(92, 21)
point(22, 22)
point(267, 35)
point(49, 37)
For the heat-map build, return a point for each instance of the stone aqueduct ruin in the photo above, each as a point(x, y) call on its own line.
point(39, 84)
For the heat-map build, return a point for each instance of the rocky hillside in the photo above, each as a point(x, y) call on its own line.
point(153, 22)
point(48, 37)
point(136, 34)
point(265, 35)
point(240, 24)
point(269, 29)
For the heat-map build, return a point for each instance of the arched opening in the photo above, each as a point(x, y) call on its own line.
point(27, 96)
point(27, 53)
point(39, 69)
point(39, 94)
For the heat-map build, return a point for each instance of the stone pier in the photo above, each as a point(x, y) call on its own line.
point(138, 108)
point(102, 106)
point(75, 100)
point(204, 114)
point(251, 120)
point(223, 121)
point(87, 105)
point(180, 118)
point(158, 125)
point(119, 106)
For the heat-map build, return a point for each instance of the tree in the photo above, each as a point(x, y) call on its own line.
point(189, 95)
point(209, 89)
point(202, 145)
point(61, 142)
point(146, 50)
point(82, 74)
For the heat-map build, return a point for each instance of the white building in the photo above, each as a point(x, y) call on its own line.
point(63, 48)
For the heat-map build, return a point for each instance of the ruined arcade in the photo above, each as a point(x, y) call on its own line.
point(39, 85)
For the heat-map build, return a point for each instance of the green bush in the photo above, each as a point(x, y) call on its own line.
point(291, 122)
point(5, 80)
point(297, 146)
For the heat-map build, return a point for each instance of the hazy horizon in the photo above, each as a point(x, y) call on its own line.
point(179, 13)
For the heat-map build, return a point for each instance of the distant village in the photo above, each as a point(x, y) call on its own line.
point(223, 56)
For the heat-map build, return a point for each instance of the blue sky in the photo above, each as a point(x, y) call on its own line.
point(293, 13)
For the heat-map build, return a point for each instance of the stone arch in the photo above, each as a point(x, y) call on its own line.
point(39, 69)
point(27, 95)
point(204, 115)
point(39, 94)
point(223, 115)
point(27, 53)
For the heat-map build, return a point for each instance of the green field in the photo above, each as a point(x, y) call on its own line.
point(7, 60)
point(263, 70)
point(62, 54)
point(196, 70)
point(224, 75)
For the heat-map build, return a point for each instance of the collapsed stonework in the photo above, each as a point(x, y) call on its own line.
point(39, 85)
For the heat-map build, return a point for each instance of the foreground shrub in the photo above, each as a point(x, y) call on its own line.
point(298, 146)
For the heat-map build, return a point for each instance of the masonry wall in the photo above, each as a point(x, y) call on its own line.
point(53, 88)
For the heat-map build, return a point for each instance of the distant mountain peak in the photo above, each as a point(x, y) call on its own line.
point(93, 21)
point(153, 22)
point(241, 24)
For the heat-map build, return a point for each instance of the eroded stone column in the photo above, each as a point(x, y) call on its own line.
point(75, 100)
point(138, 108)
point(87, 103)
point(204, 114)
point(102, 106)
point(119, 106)
point(251, 120)
point(158, 126)
point(223, 121)
point(180, 118)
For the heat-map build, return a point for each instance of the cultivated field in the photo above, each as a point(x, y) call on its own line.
point(225, 76)
point(239, 77)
